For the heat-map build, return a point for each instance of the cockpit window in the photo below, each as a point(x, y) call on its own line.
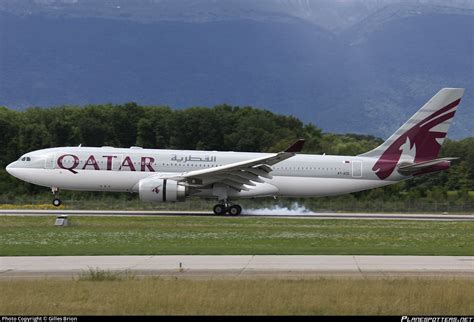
point(25, 159)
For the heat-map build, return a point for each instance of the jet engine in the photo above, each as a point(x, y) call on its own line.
point(161, 190)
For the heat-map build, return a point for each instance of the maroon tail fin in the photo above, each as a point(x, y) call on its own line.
point(421, 137)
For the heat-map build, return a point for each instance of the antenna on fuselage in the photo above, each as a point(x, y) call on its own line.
point(80, 144)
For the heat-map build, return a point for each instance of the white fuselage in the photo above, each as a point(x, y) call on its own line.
point(119, 169)
point(171, 175)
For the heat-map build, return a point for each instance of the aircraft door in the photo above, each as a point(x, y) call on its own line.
point(49, 161)
point(357, 169)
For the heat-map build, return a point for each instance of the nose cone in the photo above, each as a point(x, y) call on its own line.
point(12, 168)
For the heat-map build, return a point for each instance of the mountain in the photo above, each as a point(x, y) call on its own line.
point(360, 66)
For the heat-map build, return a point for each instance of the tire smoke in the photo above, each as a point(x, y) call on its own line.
point(294, 210)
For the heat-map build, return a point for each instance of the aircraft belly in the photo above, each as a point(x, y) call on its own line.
point(302, 187)
point(319, 187)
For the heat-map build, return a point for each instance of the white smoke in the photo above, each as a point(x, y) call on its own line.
point(294, 210)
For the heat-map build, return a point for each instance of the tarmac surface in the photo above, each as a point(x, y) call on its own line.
point(369, 216)
point(237, 266)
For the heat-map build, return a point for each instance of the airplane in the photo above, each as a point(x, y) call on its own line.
point(159, 175)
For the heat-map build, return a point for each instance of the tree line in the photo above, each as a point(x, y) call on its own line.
point(223, 127)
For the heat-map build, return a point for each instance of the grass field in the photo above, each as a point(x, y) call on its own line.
point(193, 235)
point(322, 296)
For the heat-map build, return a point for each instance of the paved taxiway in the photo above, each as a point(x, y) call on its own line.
point(436, 217)
point(259, 265)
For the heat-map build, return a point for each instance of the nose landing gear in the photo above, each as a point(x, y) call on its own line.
point(56, 201)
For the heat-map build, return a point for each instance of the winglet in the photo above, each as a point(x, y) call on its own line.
point(296, 147)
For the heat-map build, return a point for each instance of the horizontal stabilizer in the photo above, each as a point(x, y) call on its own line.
point(411, 168)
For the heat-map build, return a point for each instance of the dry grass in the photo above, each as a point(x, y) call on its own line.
point(97, 275)
point(319, 296)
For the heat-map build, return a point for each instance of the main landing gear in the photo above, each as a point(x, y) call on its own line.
point(223, 208)
point(56, 201)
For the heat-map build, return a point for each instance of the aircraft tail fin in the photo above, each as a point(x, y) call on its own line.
point(421, 137)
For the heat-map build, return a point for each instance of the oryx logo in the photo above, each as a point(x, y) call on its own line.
point(421, 142)
point(156, 189)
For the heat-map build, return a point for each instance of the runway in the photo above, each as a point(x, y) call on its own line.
point(238, 266)
point(366, 216)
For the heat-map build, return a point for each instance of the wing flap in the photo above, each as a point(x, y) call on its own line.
point(234, 185)
point(236, 179)
point(260, 173)
point(248, 175)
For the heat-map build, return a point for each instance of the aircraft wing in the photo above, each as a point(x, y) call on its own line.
point(237, 175)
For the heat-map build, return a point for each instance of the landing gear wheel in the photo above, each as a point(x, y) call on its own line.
point(56, 202)
point(235, 210)
point(220, 209)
